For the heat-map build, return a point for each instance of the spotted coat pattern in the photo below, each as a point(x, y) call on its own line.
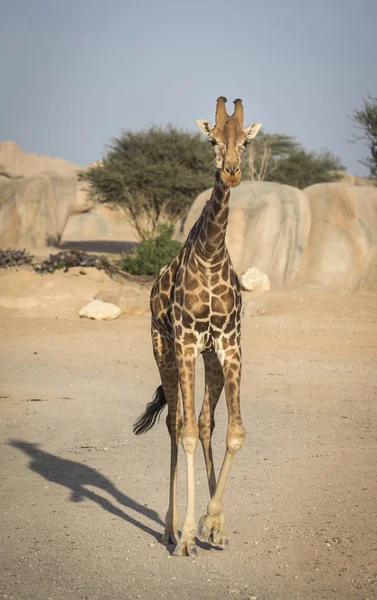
point(196, 309)
point(197, 301)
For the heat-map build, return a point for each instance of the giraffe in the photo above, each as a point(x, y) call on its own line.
point(196, 309)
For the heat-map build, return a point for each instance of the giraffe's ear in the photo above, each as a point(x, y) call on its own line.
point(252, 131)
point(205, 126)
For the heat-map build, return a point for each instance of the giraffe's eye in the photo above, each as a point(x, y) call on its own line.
point(213, 142)
point(245, 144)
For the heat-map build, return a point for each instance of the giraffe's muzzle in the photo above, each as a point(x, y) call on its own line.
point(231, 176)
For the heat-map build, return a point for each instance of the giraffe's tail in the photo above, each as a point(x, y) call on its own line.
point(146, 421)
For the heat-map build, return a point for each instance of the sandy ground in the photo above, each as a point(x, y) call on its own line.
point(83, 500)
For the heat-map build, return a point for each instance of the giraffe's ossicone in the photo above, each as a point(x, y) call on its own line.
point(196, 309)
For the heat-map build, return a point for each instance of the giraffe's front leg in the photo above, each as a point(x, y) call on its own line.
point(211, 525)
point(186, 545)
point(211, 528)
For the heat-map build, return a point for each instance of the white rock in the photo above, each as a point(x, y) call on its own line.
point(253, 280)
point(101, 311)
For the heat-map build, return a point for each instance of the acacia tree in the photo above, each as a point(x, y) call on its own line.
point(280, 158)
point(302, 168)
point(153, 175)
point(261, 158)
point(366, 120)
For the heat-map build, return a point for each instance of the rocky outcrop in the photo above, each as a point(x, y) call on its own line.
point(37, 198)
point(87, 226)
point(34, 210)
point(101, 223)
point(350, 179)
point(324, 236)
point(19, 163)
point(342, 244)
point(268, 228)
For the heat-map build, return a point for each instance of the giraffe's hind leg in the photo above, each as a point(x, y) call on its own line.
point(165, 358)
point(214, 383)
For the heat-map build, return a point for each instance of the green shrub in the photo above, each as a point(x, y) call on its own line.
point(152, 254)
point(280, 158)
point(154, 175)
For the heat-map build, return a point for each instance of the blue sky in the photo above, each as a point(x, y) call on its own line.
point(75, 73)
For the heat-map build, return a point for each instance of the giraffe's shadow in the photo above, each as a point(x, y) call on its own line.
point(76, 476)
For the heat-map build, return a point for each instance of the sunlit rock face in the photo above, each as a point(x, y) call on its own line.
point(324, 236)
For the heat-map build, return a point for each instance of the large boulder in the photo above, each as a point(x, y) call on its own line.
point(87, 226)
point(37, 197)
point(268, 228)
point(16, 162)
point(101, 223)
point(34, 210)
point(342, 245)
point(324, 236)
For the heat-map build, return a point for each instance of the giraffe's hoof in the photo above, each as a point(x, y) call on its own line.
point(210, 530)
point(168, 537)
point(184, 548)
point(218, 538)
point(204, 531)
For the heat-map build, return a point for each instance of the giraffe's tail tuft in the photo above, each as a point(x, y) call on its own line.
point(149, 417)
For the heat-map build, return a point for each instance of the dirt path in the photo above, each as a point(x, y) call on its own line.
point(83, 501)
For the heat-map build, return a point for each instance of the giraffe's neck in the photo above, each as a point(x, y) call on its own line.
point(210, 243)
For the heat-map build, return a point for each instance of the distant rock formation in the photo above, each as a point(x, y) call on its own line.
point(34, 210)
point(37, 197)
point(268, 228)
point(18, 162)
point(324, 236)
point(350, 179)
point(342, 245)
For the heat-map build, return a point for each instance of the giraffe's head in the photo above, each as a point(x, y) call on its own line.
point(229, 138)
